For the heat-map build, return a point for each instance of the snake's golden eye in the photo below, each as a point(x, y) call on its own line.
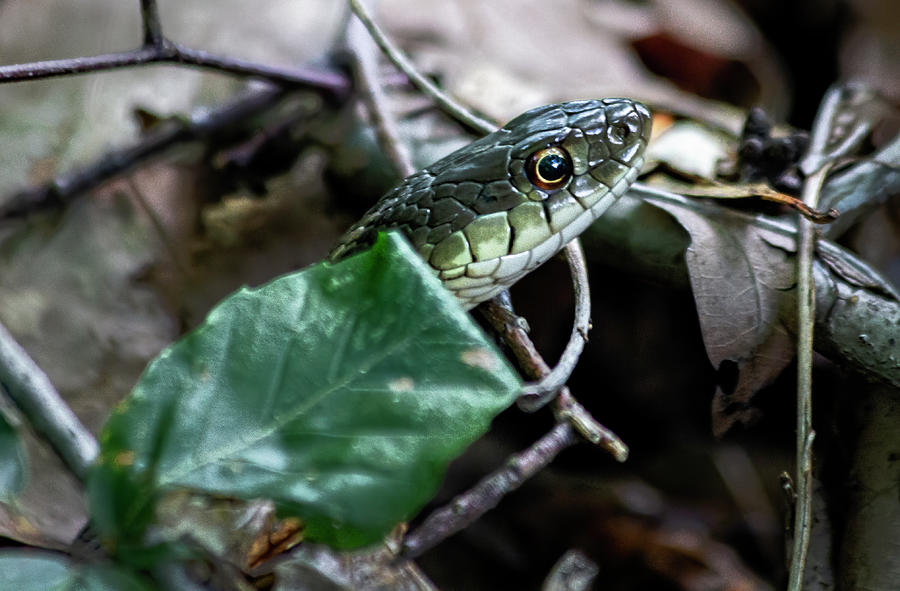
point(549, 169)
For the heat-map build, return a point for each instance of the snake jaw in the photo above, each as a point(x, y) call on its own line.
point(478, 219)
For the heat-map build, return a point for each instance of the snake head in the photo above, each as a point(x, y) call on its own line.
point(489, 213)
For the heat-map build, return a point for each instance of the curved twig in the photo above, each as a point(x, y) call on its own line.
point(446, 103)
point(514, 332)
point(536, 395)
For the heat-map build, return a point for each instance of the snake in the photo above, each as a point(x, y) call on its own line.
point(491, 212)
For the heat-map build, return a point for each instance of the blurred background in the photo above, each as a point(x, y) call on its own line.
point(97, 287)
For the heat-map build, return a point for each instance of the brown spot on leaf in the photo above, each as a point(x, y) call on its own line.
point(124, 458)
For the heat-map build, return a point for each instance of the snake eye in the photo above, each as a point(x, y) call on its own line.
point(549, 169)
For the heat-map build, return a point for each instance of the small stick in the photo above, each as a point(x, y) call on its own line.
point(34, 394)
point(536, 395)
point(484, 496)
point(816, 165)
point(443, 100)
point(320, 80)
point(364, 54)
point(153, 36)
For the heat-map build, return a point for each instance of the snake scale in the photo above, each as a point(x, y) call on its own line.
point(494, 210)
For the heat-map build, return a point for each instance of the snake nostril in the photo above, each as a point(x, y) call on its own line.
point(620, 132)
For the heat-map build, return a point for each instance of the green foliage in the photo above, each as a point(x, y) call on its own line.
point(340, 392)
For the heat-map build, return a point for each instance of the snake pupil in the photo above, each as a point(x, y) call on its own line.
point(549, 169)
point(552, 167)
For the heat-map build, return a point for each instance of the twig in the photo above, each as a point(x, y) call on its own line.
point(569, 409)
point(446, 103)
point(805, 321)
point(484, 496)
point(31, 390)
point(153, 36)
point(536, 395)
point(365, 57)
point(201, 125)
point(513, 330)
point(816, 164)
point(157, 49)
point(308, 77)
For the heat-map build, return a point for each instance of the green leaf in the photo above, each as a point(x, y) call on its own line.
point(28, 570)
point(340, 392)
point(12, 461)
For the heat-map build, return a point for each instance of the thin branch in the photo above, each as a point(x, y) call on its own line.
point(78, 65)
point(536, 395)
point(484, 496)
point(153, 35)
point(816, 164)
point(514, 331)
point(329, 81)
point(443, 100)
point(570, 410)
point(365, 57)
point(320, 80)
point(806, 310)
point(31, 390)
point(64, 188)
